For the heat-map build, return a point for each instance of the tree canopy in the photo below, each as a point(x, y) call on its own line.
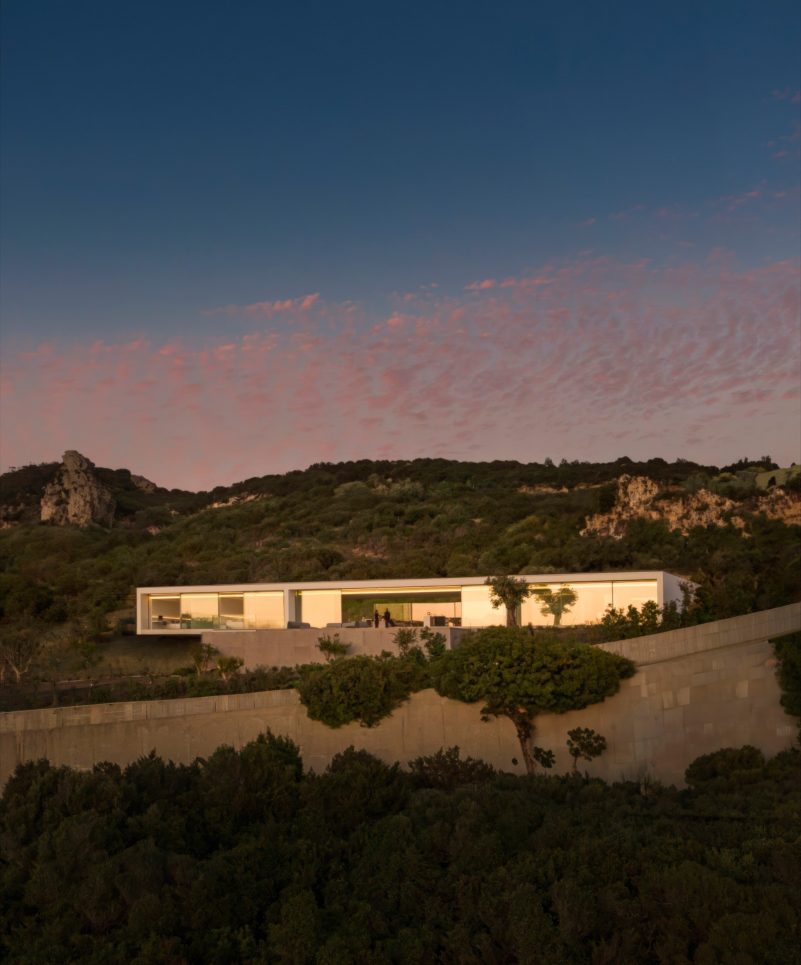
point(509, 592)
point(518, 675)
point(247, 857)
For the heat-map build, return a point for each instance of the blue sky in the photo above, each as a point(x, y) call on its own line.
point(162, 161)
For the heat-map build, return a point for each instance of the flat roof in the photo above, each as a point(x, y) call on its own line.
point(440, 582)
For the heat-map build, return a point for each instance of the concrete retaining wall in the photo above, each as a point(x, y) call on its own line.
point(695, 691)
point(287, 648)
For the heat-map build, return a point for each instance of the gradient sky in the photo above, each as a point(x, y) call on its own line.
point(243, 238)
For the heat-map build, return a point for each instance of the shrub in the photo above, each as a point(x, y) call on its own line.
point(228, 667)
point(405, 640)
point(446, 770)
point(361, 688)
point(202, 655)
point(433, 643)
point(619, 624)
point(728, 767)
point(788, 653)
point(332, 648)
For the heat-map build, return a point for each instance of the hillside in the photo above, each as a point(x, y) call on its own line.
point(426, 517)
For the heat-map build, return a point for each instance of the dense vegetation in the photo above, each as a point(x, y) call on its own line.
point(244, 857)
point(426, 518)
point(788, 654)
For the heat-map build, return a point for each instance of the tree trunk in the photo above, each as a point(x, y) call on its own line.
point(525, 730)
point(511, 616)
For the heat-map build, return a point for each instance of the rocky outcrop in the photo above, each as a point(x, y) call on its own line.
point(12, 515)
point(636, 498)
point(144, 484)
point(76, 496)
point(779, 504)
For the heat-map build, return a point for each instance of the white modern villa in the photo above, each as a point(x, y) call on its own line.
point(445, 602)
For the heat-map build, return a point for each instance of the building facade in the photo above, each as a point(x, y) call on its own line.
point(447, 601)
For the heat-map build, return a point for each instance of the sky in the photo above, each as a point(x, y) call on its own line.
point(239, 239)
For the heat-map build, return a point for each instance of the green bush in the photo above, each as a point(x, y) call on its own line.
point(446, 770)
point(361, 688)
point(331, 647)
point(619, 624)
point(788, 652)
point(729, 767)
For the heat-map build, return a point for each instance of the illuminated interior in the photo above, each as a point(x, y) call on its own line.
point(439, 607)
point(216, 611)
point(188, 610)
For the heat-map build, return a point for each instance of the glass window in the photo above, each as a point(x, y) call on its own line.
point(477, 611)
point(320, 607)
point(634, 593)
point(405, 606)
point(165, 612)
point(232, 611)
point(263, 611)
point(199, 611)
point(589, 607)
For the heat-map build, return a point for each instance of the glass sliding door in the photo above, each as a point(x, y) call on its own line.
point(199, 611)
point(232, 611)
point(165, 612)
point(263, 611)
point(634, 593)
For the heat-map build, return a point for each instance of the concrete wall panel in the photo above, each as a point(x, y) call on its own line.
point(691, 695)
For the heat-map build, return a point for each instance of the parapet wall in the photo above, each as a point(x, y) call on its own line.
point(695, 691)
point(287, 648)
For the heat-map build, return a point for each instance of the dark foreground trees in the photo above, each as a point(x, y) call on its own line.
point(247, 858)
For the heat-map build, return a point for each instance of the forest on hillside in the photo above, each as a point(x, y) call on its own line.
point(370, 520)
point(247, 857)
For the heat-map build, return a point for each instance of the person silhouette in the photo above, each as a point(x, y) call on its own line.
point(376, 619)
point(387, 618)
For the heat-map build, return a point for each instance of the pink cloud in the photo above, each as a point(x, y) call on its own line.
point(734, 201)
point(480, 286)
point(268, 309)
point(586, 359)
point(627, 213)
point(788, 94)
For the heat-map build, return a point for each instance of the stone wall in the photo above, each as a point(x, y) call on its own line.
point(695, 691)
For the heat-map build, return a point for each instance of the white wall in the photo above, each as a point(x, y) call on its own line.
point(671, 591)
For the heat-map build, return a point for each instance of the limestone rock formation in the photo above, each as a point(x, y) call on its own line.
point(76, 495)
point(636, 498)
point(144, 484)
point(779, 504)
